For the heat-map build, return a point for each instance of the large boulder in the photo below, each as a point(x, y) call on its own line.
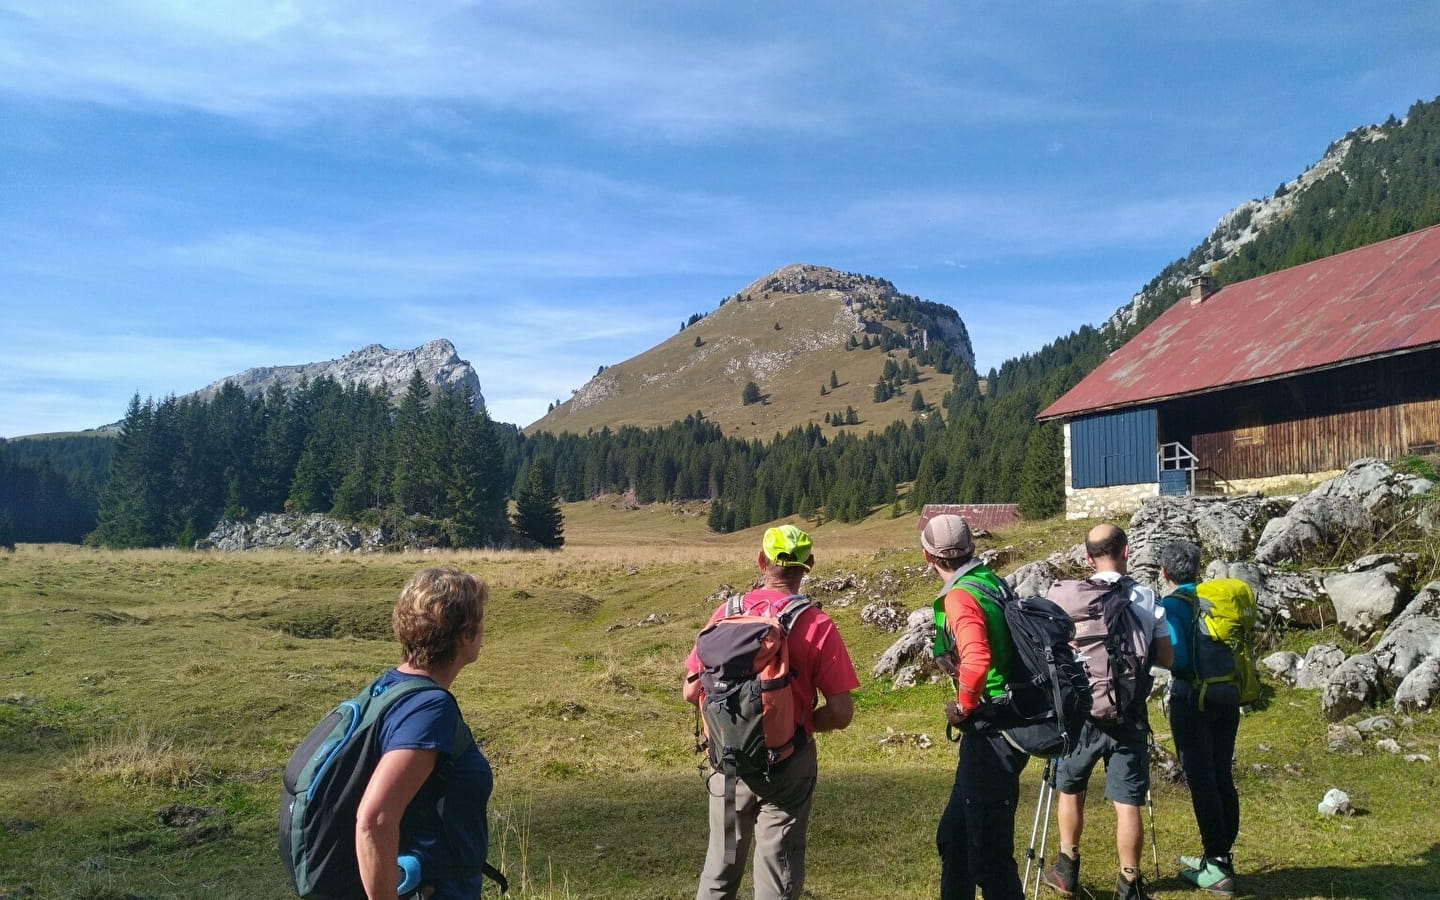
point(1411, 639)
point(1353, 686)
point(1299, 598)
point(1370, 591)
point(1283, 664)
point(1420, 688)
point(1374, 485)
point(1315, 524)
point(1034, 579)
point(911, 651)
point(1319, 664)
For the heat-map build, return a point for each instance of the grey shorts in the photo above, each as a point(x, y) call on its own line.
point(1126, 753)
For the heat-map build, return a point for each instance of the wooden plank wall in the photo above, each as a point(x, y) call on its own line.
point(1317, 443)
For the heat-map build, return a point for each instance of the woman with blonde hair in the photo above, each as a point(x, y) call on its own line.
point(425, 802)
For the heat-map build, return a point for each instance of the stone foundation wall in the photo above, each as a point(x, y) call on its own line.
point(1111, 502)
point(1123, 499)
point(1270, 482)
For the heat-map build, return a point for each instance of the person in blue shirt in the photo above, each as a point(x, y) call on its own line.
point(1204, 738)
point(428, 795)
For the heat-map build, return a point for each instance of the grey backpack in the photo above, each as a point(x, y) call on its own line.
point(1111, 641)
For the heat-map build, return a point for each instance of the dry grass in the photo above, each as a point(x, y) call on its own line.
point(138, 757)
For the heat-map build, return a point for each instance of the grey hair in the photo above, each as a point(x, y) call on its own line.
point(1181, 561)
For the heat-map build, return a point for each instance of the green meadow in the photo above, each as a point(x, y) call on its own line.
point(149, 699)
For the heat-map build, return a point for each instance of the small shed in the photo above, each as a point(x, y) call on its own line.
point(1292, 375)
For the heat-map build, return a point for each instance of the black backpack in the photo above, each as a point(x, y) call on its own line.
point(324, 782)
point(1047, 693)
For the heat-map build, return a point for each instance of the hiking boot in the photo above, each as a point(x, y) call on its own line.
point(1190, 862)
point(1131, 890)
point(1213, 876)
point(1064, 876)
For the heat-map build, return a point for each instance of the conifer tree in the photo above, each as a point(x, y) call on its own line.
point(751, 393)
point(537, 508)
point(413, 483)
point(1042, 475)
point(716, 521)
point(834, 382)
point(917, 402)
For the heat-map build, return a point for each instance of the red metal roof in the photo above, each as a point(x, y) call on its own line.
point(1368, 302)
point(989, 516)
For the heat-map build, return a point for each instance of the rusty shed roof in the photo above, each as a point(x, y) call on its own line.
point(1369, 302)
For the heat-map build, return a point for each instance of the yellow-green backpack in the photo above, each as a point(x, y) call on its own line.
point(1222, 645)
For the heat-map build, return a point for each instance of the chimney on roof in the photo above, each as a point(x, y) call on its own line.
point(1201, 286)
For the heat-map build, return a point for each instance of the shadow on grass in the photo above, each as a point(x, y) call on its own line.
point(1419, 880)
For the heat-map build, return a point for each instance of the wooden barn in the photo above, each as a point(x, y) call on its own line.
point(1287, 376)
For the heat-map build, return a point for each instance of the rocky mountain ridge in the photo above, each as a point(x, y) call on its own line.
point(1239, 227)
point(372, 366)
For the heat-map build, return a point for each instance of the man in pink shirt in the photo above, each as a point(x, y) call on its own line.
point(773, 812)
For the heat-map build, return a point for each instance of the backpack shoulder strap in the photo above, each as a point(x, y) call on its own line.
point(982, 588)
point(735, 606)
point(795, 604)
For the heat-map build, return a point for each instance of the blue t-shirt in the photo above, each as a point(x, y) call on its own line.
point(445, 825)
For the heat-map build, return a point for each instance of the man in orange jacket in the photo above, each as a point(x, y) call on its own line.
point(976, 835)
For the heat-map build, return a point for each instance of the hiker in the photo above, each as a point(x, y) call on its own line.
point(1204, 733)
point(1119, 648)
point(976, 834)
point(413, 804)
point(772, 810)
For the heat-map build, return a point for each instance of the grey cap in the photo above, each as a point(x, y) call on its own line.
point(947, 537)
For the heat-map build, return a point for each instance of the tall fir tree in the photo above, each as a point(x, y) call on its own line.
point(537, 508)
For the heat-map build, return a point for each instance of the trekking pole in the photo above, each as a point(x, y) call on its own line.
point(1152, 750)
point(1031, 859)
point(1045, 828)
point(1154, 840)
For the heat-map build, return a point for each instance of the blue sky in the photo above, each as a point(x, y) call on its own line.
point(191, 189)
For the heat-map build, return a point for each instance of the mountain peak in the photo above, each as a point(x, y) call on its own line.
point(813, 339)
point(372, 366)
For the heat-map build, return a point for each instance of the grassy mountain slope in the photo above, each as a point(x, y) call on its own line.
point(139, 679)
point(705, 366)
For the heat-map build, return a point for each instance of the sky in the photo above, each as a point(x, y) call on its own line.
point(190, 189)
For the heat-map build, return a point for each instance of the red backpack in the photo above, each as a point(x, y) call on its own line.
point(746, 702)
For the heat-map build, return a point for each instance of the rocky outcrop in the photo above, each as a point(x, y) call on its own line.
point(1353, 686)
point(1347, 508)
point(908, 660)
point(317, 533)
point(313, 532)
point(1370, 591)
point(1314, 525)
point(1224, 527)
point(371, 367)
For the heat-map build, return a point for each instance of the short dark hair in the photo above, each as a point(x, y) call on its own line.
point(1181, 561)
point(1110, 546)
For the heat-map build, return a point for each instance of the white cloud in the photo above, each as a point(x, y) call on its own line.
point(266, 60)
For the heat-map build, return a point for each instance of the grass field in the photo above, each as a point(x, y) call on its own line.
point(130, 682)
